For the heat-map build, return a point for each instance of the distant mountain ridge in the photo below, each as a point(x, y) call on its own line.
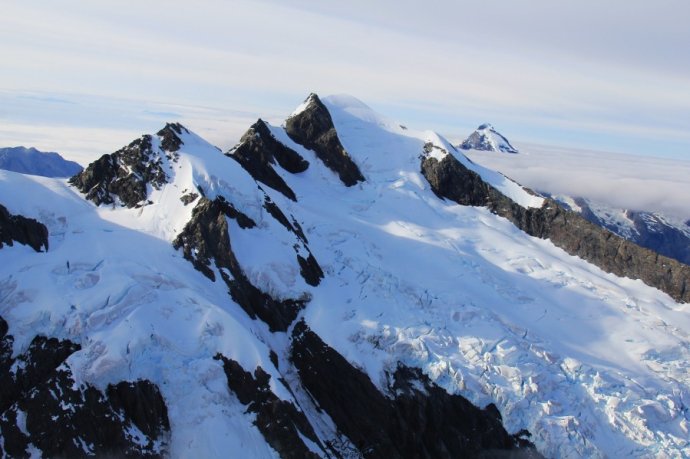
point(32, 161)
point(652, 230)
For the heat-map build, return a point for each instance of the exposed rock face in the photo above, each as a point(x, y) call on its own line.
point(313, 128)
point(188, 198)
point(206, 238)
point(126, 174)
point(279, 421)
point(41, 407)
point(486, 138)
point(170, 137)
point(655, 234)
point(26, 231)
point(309, 267)
point(567, 230)
point(646, 229)
point(258, 152)
point(416, 419)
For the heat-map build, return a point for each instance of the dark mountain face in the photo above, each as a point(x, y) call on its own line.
point(646, 229)
point(127, 174)
point(26, 231)
point(313, 128)
point(415, 418)
point(42, 405)
point(258, 152)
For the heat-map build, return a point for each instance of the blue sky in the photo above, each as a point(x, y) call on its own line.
point(84, 78)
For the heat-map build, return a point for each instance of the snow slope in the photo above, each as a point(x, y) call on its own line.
point(592, 364)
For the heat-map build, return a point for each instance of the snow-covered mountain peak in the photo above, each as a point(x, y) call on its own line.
point(312, 98)
point(356, 108)
point(486, 138)
point(330, 288)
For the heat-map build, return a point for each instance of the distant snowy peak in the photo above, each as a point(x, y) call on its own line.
point(486, 138)
point(32, 161)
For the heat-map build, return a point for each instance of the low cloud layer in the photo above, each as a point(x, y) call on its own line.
point(625, 181)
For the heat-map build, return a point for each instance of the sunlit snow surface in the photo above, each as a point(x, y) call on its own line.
point(593, 365)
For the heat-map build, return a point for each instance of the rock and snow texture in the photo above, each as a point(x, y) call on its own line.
point(661, 233)
point(486, 138)
point(416, 294)
point(31, 161)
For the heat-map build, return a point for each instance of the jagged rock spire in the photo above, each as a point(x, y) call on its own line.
point(312, 127)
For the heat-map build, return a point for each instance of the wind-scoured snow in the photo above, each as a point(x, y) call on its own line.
point(593, 365)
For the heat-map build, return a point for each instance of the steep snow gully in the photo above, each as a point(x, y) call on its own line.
point(337, 287)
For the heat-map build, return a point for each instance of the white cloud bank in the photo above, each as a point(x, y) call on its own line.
point(625, 181)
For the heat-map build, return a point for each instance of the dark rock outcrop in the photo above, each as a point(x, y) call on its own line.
point(313, 128)
point(280, 422)
point(188, 198)
point(127, 173)
point(647, 229)
point(416, 420)
point(170, 137)
point(41, 405)
point(568, 230)
point(258, 152)
point(26, 231)
point(655, 234)
point(206, 239)
point(310, 270)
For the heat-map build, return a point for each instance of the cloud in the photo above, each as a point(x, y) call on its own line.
point(563, 67)
point(625, 181)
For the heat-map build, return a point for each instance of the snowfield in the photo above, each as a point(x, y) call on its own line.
point(591, 364)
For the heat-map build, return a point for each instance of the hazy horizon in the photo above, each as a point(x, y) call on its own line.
point(82, 78)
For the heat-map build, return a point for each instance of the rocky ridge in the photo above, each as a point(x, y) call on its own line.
point(647, 229)
point(258, 152)
point(313, 128)
point(124, 177)
point(567, 230)
point(26, 231)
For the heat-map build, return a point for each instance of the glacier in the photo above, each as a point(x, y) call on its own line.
point(592, 364)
